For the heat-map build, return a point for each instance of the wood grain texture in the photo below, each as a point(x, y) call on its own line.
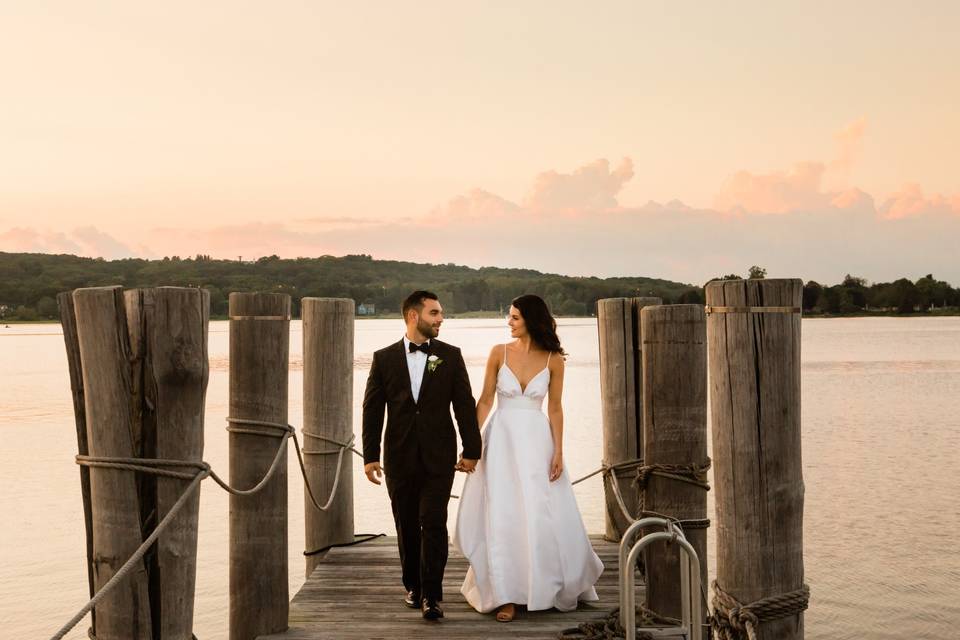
point(328, 411)
point(105, 357)
point(356, 592)
point(259, 356)
point(618, 324)
point(754, 361)
point(177, 370)
point(674, 432)
point(68, 321)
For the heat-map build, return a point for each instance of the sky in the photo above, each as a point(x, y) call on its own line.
point(679, 140)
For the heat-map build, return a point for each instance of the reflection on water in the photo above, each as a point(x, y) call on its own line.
point(881, 439)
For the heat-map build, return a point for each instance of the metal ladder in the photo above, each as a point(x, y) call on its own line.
point(691, 613)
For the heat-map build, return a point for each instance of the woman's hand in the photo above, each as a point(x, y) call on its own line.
point(556, 466)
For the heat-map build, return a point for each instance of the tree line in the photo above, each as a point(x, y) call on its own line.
point(29, 283)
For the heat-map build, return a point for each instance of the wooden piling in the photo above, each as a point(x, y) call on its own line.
point(104, 349)
point(674, 433)
point(327, 412)
point(259, 355)
point(68, 322)
point(753, 336)
point(618, 323)
point(172, 324)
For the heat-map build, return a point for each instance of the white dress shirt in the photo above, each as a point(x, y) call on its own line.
point(416, 364)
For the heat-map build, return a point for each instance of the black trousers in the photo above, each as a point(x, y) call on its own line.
point(420, 513)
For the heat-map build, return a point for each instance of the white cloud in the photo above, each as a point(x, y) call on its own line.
point(910, 202)
point(592, 187)
point(28, 240)
point(573, 224)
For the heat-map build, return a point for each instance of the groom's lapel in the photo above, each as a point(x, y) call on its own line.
point(427, 374)
point(401, 362)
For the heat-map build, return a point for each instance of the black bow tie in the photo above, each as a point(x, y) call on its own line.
point(425, 347)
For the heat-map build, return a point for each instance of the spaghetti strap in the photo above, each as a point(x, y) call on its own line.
point(549, 353)
point(504, 354)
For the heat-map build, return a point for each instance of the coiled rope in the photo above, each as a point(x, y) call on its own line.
point(733, 620)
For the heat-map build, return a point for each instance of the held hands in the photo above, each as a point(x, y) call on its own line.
point(466, 465)
point(374, 472)
point(556, 466)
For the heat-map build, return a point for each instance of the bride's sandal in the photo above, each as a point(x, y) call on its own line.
point(506, 613)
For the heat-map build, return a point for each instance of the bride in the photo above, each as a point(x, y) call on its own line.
point(518, 523)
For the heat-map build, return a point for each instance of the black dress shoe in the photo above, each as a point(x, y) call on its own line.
point(431, 609)
point(412, 600)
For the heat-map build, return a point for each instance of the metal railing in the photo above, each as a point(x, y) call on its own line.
point(691, 618)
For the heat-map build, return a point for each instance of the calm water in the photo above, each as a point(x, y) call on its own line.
point(881, 435)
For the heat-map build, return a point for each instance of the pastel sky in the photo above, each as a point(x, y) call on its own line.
point(671, 139)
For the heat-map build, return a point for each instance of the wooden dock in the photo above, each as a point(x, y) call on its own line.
point(355, 592)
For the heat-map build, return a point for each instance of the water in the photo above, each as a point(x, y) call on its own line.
point(881, 435)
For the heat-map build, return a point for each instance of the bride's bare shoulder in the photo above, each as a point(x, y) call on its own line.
point(496, 353)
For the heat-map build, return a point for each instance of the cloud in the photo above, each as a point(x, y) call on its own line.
point(592, 187)
point(808, 185)
point(778, 192)
point(83, 241)
point(340, 221)
point(573, 224)
point(100, 244)
point(27, 240)
point(849, 142)
point(910, 202)
point(476, 205)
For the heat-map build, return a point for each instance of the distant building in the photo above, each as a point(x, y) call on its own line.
point(366, 309)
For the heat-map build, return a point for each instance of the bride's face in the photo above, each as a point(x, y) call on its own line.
point(518, 327)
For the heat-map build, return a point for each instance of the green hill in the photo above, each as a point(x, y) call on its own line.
point(29, 282)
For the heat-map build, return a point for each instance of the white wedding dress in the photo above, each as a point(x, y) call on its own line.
point(522, 534)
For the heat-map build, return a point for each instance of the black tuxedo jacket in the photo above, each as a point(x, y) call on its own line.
point(420, 435)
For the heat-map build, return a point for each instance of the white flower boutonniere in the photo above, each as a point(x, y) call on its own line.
point(433, 362)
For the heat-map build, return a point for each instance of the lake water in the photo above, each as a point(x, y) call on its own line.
point(881, 459)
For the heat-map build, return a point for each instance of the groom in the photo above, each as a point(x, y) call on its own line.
point(417, 379)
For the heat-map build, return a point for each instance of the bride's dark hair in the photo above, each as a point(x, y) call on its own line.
point(540, 324)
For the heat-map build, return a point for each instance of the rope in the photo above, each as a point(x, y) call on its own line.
point(202, 470)
point(135, 558)
point(609, 627)
point(733, 620)
point(695, 474)
point(263, 428)
point(363, 537)
point(336, 478)
point(612, 474)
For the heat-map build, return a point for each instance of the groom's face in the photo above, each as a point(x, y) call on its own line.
point(429, 319)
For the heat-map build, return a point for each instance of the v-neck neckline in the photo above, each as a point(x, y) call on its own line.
point(523, 389)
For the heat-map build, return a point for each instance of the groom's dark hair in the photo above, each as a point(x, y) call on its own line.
point(415, 301)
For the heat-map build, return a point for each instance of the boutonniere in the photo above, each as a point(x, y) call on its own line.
point(433, 362)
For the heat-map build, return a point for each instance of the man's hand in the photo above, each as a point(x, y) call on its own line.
point(466, 465)
point(374, 472)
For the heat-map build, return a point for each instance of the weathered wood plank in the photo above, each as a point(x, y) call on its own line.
point(259, 365)
point(620, 389)
point(177, 370)
point(355, 592)
point(674, 433)
point(755, 417)
point(328, 412)
point(105, 361)
point(68, 320)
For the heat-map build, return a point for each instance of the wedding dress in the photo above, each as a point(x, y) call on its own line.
point(522, 534)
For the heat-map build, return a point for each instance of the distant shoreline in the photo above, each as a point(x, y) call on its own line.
point(487, 315)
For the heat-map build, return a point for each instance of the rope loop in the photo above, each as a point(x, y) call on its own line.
point(695, 474)
point(733, 620)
